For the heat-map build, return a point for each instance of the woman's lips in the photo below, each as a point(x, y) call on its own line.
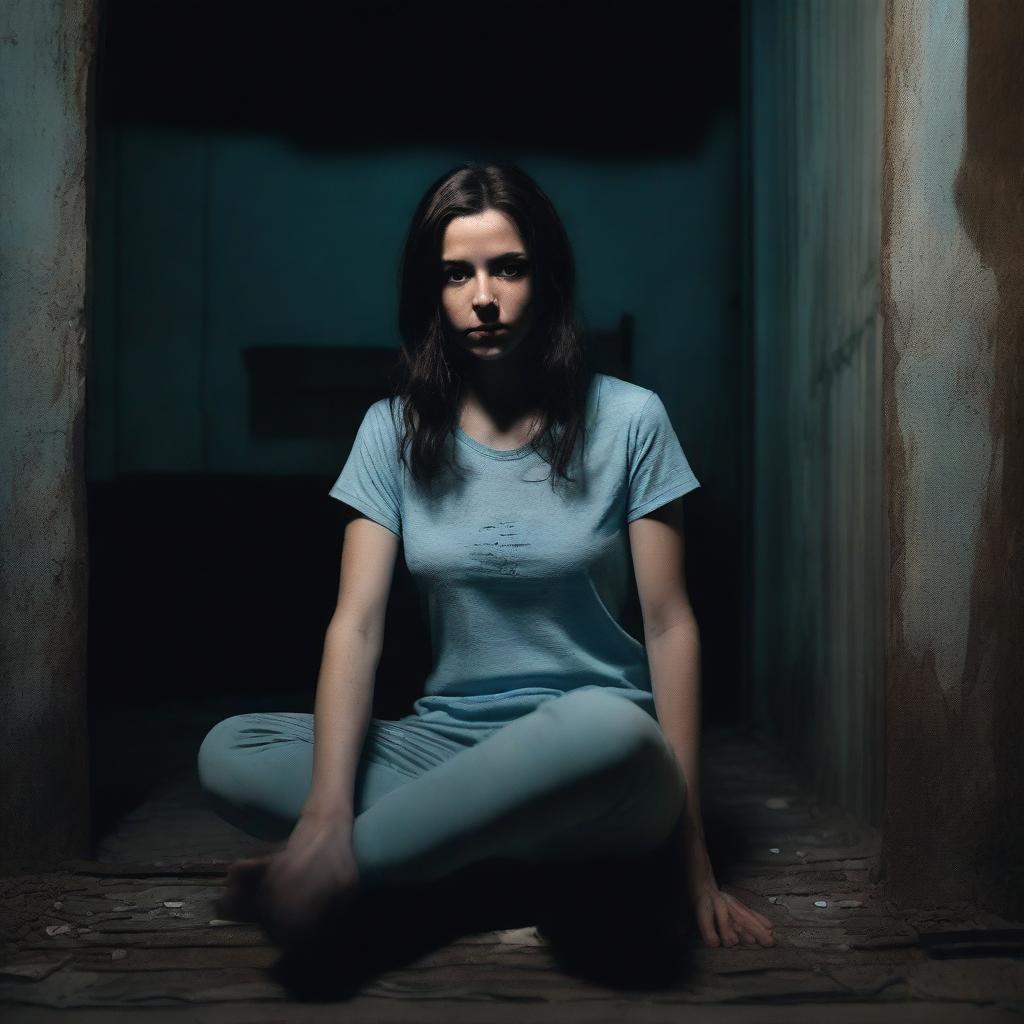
point(485, 331)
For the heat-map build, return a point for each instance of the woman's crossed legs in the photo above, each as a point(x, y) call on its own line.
point(586, 775)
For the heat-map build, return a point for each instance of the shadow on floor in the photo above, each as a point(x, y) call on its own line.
point(139, 924)
point(620, 923)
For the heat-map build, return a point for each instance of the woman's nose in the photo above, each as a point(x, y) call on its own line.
point(484, 293)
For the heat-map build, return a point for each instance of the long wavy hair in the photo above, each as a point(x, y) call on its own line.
point(430, 384)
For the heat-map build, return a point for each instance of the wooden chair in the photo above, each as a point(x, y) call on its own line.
point(300, 391)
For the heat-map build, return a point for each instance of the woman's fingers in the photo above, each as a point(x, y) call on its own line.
point(706, 922)
point(725, 928)
point(725, 920)
point(752, 937)
point(759, 918)
point(755, 923)
point(750, 921)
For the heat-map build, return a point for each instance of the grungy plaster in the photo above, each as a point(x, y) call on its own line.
point(953, 194)
point(942, 303)
point(45, 60)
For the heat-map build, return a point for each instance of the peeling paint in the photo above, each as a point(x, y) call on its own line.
point(953, 299)
point(943, 300)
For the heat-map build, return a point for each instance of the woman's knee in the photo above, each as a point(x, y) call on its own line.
point(218, 755)
point(645, 761)
point(617, 732)
point(240, 795)
point(630, 763)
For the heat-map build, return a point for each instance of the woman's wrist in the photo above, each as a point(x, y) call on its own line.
point(335, 815)
point(692, 827)
point(695, 847)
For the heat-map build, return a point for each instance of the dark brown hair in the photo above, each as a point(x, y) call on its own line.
point(430, 383)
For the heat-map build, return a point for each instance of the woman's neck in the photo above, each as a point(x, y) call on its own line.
point(503, 390)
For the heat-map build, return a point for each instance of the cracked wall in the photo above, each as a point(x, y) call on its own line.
point(44, 85)
point(953, 216)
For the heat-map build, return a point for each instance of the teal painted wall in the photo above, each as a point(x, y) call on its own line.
point(206, 244)
point(818, 547)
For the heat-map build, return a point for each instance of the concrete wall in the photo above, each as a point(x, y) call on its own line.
point(44, 77)
point(816, 556)
point(953, 270)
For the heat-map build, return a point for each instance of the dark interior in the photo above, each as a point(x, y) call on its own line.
point(208, 585)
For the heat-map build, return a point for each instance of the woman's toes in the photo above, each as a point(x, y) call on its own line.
point(240, 900)
point(236, 905)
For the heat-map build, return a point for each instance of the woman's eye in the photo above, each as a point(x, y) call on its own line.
point(455, 275)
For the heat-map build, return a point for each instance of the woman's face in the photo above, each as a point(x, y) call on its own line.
point(485, 284)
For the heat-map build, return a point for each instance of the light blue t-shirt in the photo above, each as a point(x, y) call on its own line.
point(523, 587)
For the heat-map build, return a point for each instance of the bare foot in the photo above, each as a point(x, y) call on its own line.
point(291, 916)
point(240, 901)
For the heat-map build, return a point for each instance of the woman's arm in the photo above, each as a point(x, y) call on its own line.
point(672, 639)
point(674, 658)
point(341, 715)
point(288, 890)
point(351, 654)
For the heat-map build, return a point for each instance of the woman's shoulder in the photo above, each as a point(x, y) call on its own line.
point(620, 398)
point(388, 412)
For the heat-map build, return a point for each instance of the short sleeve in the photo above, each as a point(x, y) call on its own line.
point(370, 480)
point(658, 469)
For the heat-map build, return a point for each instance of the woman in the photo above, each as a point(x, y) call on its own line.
point(511, 474)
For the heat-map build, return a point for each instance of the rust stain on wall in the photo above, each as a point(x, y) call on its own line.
point(990, 197)
point(953, 773)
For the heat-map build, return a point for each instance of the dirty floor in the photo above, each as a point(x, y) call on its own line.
point(132, 933)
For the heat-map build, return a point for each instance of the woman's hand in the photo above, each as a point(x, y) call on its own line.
point(315, 872)
point(721, 917)
point(288, 892)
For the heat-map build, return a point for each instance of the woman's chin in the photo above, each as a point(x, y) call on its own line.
point(489, 350)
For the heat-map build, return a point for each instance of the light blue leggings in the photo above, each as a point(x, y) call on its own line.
point(585, 774)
